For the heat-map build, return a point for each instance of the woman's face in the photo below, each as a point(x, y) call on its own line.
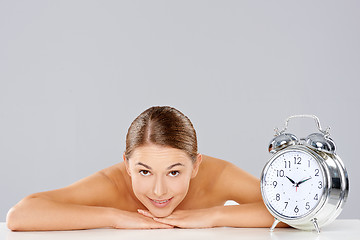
point(160, 177)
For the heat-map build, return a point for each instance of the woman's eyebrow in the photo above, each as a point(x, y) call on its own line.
point(168, 168)
point(144, 165)
point(174, 165)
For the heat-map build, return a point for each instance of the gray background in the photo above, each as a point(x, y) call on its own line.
point(74, 74)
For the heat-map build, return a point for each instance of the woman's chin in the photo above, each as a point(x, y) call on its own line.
point(160, 213)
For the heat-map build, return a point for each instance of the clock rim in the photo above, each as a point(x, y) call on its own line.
point(325, 193)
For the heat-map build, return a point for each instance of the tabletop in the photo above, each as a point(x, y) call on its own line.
point(339, 229)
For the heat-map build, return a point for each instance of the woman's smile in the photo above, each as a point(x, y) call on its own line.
point(160, 203)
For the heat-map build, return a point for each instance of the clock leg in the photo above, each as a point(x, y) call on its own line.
point(316, 225)
point(274, 225)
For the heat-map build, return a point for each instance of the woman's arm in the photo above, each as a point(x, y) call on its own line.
point(41, 214)
point(89, 203)
point(244, 215)
point(37, 212)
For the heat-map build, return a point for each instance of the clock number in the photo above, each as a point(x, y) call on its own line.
point(297, 160)
point(277, 197)
point(316, 197)
point(274, 184)
point(286, 203)
point(280, 173)
point(307, 206)
point(320, 185)
point(296, 209)
point(308, 163)
point(287, 164)
point(317, 172)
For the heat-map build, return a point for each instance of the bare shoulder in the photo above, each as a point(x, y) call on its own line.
point(212, 164)
point(232, 182)
point(225, 169)
point(116, 175)
point(210, 172)
point(105, 188)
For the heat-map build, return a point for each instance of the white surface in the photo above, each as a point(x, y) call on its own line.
point(339, 229)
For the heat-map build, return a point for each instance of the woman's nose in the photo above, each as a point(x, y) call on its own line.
point(160, 188)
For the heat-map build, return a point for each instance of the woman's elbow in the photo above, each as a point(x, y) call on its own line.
point(12, 219)
point(15, 215)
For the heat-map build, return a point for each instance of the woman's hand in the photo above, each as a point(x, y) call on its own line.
point(133, 220)
point(199, 218)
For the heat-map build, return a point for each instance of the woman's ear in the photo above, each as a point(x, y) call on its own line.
point(126, 162)
point(196, 165)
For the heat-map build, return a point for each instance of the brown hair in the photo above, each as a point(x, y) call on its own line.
point(165, 126)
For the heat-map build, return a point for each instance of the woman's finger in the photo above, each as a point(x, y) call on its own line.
point(160, 225)
point(168, 221)
point(156, 224)
point(145, 213)
point(151, 223)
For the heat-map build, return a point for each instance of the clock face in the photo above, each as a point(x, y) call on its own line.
point(293, 183)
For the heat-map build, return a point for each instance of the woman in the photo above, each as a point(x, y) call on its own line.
point(163, 182)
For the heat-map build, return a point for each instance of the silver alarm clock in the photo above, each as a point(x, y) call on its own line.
point(305, 183)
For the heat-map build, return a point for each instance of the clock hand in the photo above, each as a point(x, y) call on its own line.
point(292, 181)
point(302, 181)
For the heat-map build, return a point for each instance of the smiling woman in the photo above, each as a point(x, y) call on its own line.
point(163, 182)
point(160, 177)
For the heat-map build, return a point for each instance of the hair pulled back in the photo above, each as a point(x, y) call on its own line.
point(164, 126)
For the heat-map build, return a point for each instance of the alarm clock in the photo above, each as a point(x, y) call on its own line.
point(305, 183)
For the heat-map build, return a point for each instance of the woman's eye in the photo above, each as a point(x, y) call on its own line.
point(174, 173)
point(144, 172)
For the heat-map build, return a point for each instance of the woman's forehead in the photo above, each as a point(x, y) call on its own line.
point(153, 154)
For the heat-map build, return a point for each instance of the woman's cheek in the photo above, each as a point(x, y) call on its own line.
point(180, 186)
point(141, 185)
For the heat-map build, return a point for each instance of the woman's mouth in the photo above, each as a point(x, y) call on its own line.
point(160, 203)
